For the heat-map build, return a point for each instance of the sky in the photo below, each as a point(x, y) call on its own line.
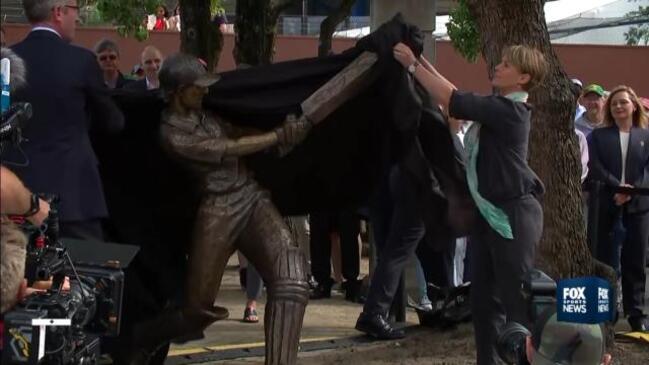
point(555, 10)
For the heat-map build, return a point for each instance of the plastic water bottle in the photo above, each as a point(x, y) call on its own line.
point(5, 71)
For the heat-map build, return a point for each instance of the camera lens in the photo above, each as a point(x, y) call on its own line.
point(511, 343)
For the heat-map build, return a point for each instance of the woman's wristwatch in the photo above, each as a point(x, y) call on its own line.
point(413, 67)
point(34, 206)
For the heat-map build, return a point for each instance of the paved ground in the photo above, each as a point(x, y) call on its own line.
point(325, 319)
point(329, 337)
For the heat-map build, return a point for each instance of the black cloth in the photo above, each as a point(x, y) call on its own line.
point(321, 224)
point(69, 98)
point(503, 172)
point(391, 121)
point(153, 199)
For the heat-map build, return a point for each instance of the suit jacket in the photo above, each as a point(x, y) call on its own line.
point(606, 162)
point(122, 81)
point(69, 98)
point(137, 85)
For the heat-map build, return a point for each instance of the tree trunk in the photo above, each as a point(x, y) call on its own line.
point(255, 30)
point(198, 35)
point(553, 149)
point(328, 26)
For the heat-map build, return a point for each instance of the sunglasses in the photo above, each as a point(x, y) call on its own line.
point(111, 57)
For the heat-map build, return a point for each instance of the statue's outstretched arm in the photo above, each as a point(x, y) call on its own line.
point(291, 133)
point(210, 149)
point(250, 144)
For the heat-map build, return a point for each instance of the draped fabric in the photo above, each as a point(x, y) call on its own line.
point(391, 121)
point(152, 199)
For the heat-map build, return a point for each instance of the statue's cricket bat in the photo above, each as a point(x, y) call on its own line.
point(345, 85)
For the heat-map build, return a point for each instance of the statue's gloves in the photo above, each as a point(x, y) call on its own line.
point(292, 133)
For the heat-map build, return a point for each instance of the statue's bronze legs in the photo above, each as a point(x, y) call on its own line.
point(283, 267)
point(287, 299)
point(264, 239)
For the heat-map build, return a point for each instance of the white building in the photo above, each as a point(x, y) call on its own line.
point(604, 24)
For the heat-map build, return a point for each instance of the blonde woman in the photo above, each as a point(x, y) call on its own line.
point(619, 156)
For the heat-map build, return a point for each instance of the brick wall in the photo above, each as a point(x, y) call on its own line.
point(606, 65)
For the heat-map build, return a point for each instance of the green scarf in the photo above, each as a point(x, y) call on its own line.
point(495, 216)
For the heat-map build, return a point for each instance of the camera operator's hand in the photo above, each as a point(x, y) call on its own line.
point(18, 200)
point(43, 211)
point(42, 285)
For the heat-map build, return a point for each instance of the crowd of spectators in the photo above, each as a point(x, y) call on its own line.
point(612, 129)
point(165, 20)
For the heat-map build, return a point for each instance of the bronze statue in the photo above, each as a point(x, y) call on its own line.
point(235, 213)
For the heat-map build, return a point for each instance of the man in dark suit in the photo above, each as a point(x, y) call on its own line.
point(151, 59)
point(69, 98)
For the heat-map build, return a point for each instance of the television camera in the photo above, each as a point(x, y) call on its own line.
point(11, 123)
point(61, 326)
point(539, 290)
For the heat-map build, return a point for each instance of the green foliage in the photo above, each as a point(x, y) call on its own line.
point(638, 34)
point(463, 32)
point(89, 15)
point(128, 15)
point(216, 7)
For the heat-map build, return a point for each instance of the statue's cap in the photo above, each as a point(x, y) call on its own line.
point(182, 69)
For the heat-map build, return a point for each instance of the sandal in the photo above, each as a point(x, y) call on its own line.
point(250, 315)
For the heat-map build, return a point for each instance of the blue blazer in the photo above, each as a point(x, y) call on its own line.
point(605, 162)
point(66, 89)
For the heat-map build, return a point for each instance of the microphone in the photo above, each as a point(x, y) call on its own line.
point(13, 71)
point(5, 71)
point(13, 119)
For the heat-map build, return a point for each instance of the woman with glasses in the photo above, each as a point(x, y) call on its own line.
point(108, 57)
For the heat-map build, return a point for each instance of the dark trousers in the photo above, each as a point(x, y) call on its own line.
point(437, 265)
point(84, 230)
point(467, 275)
point(631, 231)
point(498, 267)
point(398, 228)
point(347, 224)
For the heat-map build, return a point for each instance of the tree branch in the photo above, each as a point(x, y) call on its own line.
point(329, 24)
point(278, 6)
